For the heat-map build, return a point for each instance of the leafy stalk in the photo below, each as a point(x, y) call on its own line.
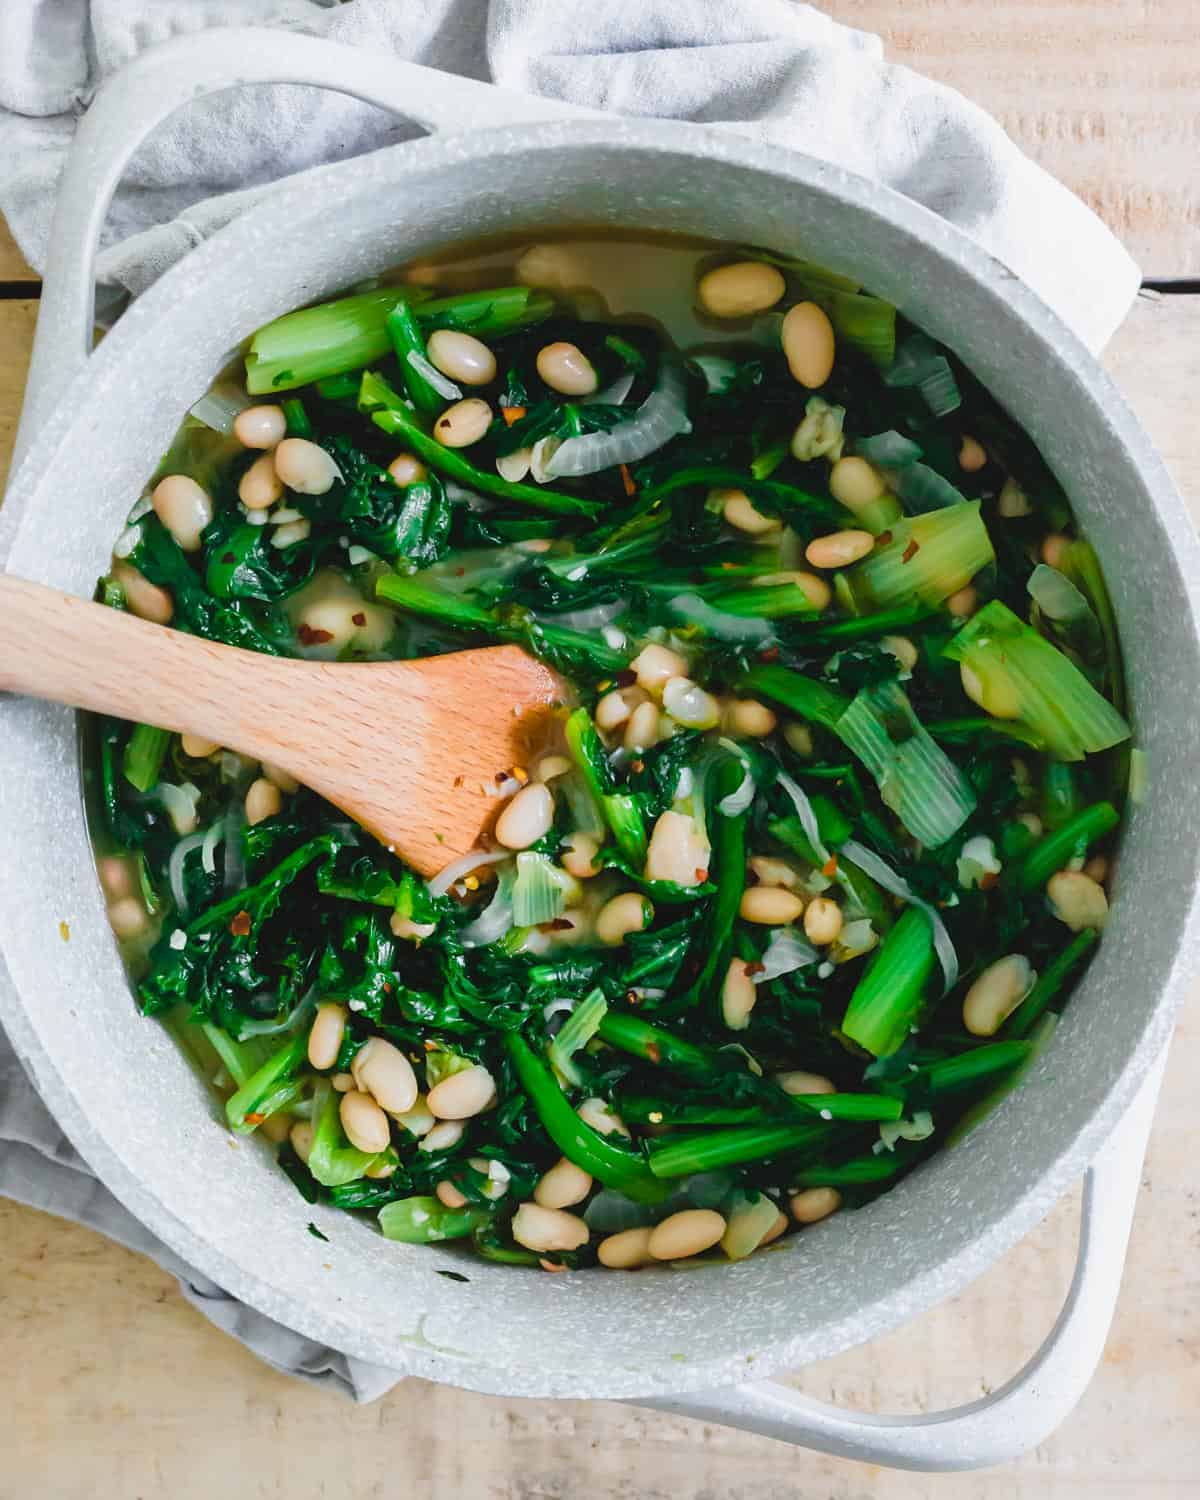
point(144, 754)
point(888, 998)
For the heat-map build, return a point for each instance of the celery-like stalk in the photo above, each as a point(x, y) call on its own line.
point(143, 758)
point(887, 999)
point(577, 1031)
point(320, 341)
point(924, 560)
point(765, 602)
point(1032, 681)
point(537, 893)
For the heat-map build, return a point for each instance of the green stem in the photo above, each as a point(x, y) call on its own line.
point(682, 1156)
point(729, 861)
point(406, 339)
point(803, 696)
point(407, 592)
point(268, 1089)
point(144, 754)
point(654, 1044)
point(952, 1074)
point(298, 424)
point(1064, 844)
point(859, 1169)
point(887, 999)
point(1049, 983)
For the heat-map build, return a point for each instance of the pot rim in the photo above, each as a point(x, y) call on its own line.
point(954, 1266)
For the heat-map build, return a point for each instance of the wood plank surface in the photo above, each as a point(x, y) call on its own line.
point(13, 265)
point(119, 1389)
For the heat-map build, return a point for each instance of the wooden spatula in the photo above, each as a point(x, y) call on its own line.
point(414, 751)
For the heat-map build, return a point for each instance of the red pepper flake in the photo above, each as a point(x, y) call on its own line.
point(460, 572)
point(626, 677)
point(255, 1118)
point(633, 997)
point(987, 880)
point(883, 538)
point(756, 968)
point(637, 766)
point(359, 617)
point(512, 414)
point(910, 551)
point(558, 924)
point(430, 1046)
point(240, 926)
point(227, 557)
point(829, 868)
point(701, 875)
point(728, 566)
point(628, 481)
point(387, 986)
point(310, 637)
point(770, 654)
point(654, 1052)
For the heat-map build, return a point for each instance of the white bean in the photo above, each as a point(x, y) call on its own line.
point(260, 486)
point(678, 851)
point(1053, 549)
point(566, 368)
point(740, 290)
point(515, 465)
point(551, 767)
point(814, 589)
point(839, 549)
point(260, 426)
point(822, 921)
point(626, 1251)
point(305, 467)
point(325, 1035)
point(1013, 502)
point(579, 855)
point(598, 1114)
point(770, 870)
point(964, 602)
point(463, 423)
point(655, 665)
point(382, 1070)
point(406, 469)
point(1097, 869)
point(116, 876)
point(184, 508)
point(291, 533)
point(972, 455)
point(902, 649)
point(365, 1124)
point(1077, 900)
point(277, 776)
point(462, 1095)
point(749, 717)
point(444, 1136)
point(198, 749)
point(996, 993)
point(614, 708)
point(448, 1194)
point(769, 906)
point(301, 1137)
point(738, 511)
point(145, 599)
point(263, 801)
point(688, 704)
point(690, 1232)
point(547, 1229)
point(461, 356)
point(738, 994)
point(331, 624)
point(563, 1185)
point(127, 918)
point(527, 817)
point(642, 731)
point(855, 484)
point(998, 696)
point(815, 1204)
point(343, 1082)
point(797, 1081)
point(808, 344)
point(626, 913)
point(798, 738)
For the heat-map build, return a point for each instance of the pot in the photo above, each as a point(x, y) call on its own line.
point(94, 427)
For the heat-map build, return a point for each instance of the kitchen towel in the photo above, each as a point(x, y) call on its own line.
point(780, 71)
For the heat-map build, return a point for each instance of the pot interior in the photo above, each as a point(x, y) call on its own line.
point(128, 1096)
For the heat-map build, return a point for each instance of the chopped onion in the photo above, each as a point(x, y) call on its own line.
point(493, 921)
point(541, 459)
point(737, 801)
point(433, 376)
point(175, 869)
point(235, 866)
point(804, 811)
point(698, 611)
point(662, 416)
point(141, 508)
point(718, 371)
point(457, 868)
point(208, 849)
point(219, 407)
point(614, 394)
point(919, 1128)
point(128, 541)
point(883, 874)
point(785, 951)
point(556, 1007)
point(180, 803)
point(592, 619)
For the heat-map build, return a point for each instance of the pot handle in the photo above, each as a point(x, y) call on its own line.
point(1025, 1410)
point(131, 103)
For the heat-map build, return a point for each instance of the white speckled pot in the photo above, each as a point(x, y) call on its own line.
point(127, 1097)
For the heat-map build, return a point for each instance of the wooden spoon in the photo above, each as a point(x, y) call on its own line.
point(414, 751)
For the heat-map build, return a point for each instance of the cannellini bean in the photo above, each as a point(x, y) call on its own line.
point(602, 1118)
point(972, 455)
point(198, 749)
point(567, 369)
point(342, 1082)
point(579, 856)
point(626, 913)
point(1097, 869)
point(545, 1229)
point(365, 1124)
point(260, 486)
point(839, 549)
point(527, 817)
point(448, 1194)
point(145, 599)
point(738, 994)
point(749, 717)
point(1054, 548)
point(462, 1095)
point(444, 1136)
point(690, 1232)
point(301, 1137)
point(325, 1036)
point(262, 800)
point(515, 465)
point(1012, 501)
point(563, 1185)
point(1077, 900)
point(184, 508)
point(808, 344)
point(277, 776)
point(305, 466)
point(128, 919)
point(655, 665)
point(902, 649)
point(463, 423)
point(551, 767)
point(678, 851)
point(406, 469)
point(277, 1127)
point(815, 589)
point(328, 625)
point(798, 738)
point(688, 704)
point(740, 290)
point(642, 731)
point(963, 603)
point(625, 1251)
point(769, 906)
point(738, 511)
point(116, 876)
point(291, 533)
point(815, 1204)
point(996, 993)
point(554, 266)
point(797, 1081)
point(822, 921)
point(769, 870)
point(997, 697)
point(1032, 822)
point(412, 932)
point(854, 483)
point(260, 426)
point(382, 1070)
point(461, 356)
point(614, 709)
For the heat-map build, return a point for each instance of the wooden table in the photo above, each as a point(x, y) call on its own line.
point(118, 1389)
